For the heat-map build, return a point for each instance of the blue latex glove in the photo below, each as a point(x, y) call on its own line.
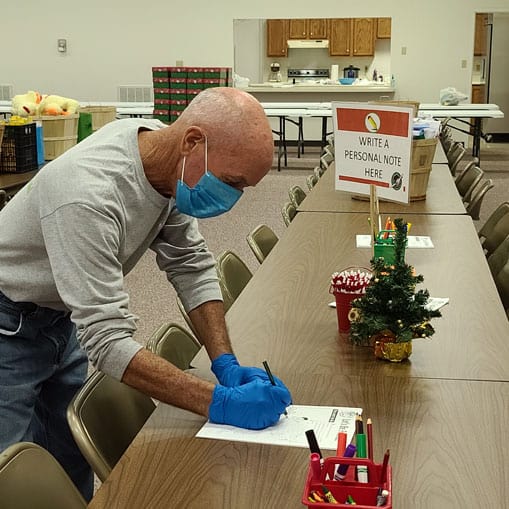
point(231, 374)
point(255, 405)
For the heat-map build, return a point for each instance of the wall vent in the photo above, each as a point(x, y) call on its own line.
point(135, 93)
point(6, 92)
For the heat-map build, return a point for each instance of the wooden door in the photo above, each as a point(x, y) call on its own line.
point(363, 37)
point(478, 94)
point(277, 35)
point(340, 34)
point(481, 21)
point(298, 29)
point(317, 28)
point(383, 28)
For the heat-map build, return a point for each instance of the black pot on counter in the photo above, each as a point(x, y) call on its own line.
point(351, 72)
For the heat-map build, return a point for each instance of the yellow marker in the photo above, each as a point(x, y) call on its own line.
point(329, 496)
point(408, 226)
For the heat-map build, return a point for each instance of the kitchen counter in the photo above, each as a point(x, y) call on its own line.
point(283, 87)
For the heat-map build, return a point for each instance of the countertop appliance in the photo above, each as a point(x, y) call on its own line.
point(307, 75)
point(275, 73)
point(351, 72)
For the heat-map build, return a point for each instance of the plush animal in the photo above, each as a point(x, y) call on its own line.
point(57, 105)
point(27, 104)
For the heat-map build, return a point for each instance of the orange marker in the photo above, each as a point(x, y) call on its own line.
point(340, 450)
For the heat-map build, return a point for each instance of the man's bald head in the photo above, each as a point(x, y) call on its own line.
point(236, 127)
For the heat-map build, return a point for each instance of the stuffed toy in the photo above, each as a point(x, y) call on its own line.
point(27, 104)
point(56, 105)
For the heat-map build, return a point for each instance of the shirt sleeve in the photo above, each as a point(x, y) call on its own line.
point(83, 249)
point(182, 253)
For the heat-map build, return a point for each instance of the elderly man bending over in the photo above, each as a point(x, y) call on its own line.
point(84, 221)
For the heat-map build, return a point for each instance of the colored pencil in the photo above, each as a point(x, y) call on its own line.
point(369, 426)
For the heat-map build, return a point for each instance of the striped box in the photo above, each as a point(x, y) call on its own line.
point(160, 72)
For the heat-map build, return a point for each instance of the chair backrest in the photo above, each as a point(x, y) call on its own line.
point(233, 275)
point(30, 477)
point(454, 156)
point(468, 180)
point(104, 418)
point(496, 228)
point(474, 206)
point(261, 241)
point(297, 195)
point(311, 181)
point(3, 198)
point(325, 161)
point(173, 343)
point(318, 171)
point(289, 211)
point(499, 267)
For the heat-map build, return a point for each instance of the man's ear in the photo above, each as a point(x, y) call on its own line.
point(193, 135)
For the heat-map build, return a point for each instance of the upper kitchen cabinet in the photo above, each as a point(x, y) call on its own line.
point(307, 29)
point(481, 22)
point(277, 36)
point(340, 37)
point(352, 37)
point(383, 28)
point(363, 37)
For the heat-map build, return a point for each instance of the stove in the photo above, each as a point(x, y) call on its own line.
point(303, 75)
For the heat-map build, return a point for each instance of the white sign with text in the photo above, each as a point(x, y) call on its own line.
point(373, 145)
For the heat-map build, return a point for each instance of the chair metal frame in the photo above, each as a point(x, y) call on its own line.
point(311, 181)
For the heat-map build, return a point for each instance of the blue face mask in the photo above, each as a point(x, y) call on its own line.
point(210, 197)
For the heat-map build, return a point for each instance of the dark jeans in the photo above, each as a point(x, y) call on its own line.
point(41, 369)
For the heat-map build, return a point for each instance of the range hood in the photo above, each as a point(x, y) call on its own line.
point(308, 43)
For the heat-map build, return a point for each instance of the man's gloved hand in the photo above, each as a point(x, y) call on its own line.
point(231, 374)
point(255, 405)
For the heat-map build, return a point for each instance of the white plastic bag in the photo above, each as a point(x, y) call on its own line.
point(451, 97)
point(239, 81)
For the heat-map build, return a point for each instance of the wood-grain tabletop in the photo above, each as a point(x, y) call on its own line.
point(448, 443)
point(442, 197)
point(282, 314)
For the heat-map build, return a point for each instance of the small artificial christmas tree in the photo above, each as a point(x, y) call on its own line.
point(391, 306)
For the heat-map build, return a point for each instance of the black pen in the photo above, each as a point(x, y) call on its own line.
point(271, 378)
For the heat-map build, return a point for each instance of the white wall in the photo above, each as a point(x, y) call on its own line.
point(116, 42)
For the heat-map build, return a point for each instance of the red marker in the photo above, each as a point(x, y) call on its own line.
point(341, 444)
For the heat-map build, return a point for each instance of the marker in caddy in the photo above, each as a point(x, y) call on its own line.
point(362, 470)
point(342, 468)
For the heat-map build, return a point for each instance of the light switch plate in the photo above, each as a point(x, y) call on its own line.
point(62, 45)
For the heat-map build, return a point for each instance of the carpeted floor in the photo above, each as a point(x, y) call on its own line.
point(153, 299)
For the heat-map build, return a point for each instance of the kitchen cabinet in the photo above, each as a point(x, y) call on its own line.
point(277, 36)
point(363, 37)
point(307, 29)
point(383, 28)
point(340, 35)
point(481, 21)
point(352, 37)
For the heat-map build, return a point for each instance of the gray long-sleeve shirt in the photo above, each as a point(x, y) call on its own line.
point(71, 234)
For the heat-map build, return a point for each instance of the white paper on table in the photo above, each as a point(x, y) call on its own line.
point(414, 242)
point(326, 421)
point(435, 303)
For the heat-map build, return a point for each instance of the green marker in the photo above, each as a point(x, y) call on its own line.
point(362, 470)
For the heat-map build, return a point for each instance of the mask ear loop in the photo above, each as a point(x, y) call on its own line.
point(206, 155)
point(183, 166)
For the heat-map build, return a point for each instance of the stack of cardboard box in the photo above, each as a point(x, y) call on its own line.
point(176, 87)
